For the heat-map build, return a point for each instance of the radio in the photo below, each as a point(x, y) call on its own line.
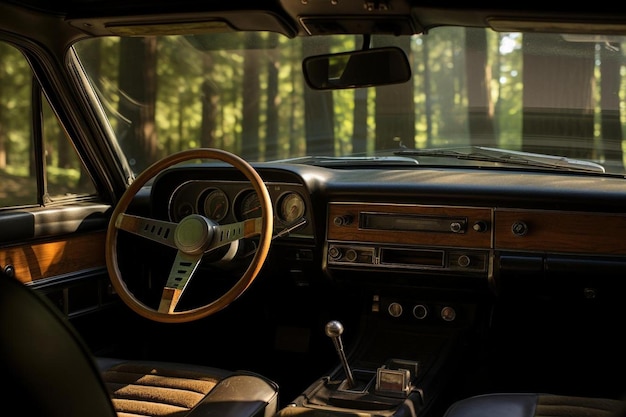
point(387, 256)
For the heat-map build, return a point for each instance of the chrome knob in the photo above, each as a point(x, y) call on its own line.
point(464, 261)
point(334, 329)
point(448, 313)
point(420, 311)
point(334, 252)
point(351, 255)
point(519, 228)
point(395, 309)
point(344, 220)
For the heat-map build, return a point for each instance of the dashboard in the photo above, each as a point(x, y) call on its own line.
point(453, 229)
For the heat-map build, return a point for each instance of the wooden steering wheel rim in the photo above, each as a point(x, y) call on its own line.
point(248, 276)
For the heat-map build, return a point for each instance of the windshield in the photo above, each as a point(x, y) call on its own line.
point(472, 92)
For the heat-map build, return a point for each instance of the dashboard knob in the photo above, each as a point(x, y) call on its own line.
point(463, 261)
point(456, 227)
point(351, 255)
point(344, 220)
point(395, 309)
point(519, 228)
point(9, 270)
point(334, 252)
point(420, 311)
point(479, 226)
point(448, 313)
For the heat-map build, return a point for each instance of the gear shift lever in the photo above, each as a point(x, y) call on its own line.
point(334, 329)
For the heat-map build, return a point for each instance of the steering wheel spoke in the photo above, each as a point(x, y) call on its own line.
point(182, 270)
point(228, 233)
point(156, 230)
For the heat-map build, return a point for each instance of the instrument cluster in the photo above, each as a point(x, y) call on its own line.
point(232, 201)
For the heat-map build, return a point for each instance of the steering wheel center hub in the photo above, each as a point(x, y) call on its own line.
point(193, 234)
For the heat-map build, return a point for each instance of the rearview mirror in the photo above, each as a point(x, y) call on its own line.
point(365, 68)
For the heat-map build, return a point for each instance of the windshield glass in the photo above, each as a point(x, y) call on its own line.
point(472, 93)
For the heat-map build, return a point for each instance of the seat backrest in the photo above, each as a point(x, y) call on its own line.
point(46, 368)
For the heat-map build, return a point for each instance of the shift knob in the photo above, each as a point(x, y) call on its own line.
point(334, 330)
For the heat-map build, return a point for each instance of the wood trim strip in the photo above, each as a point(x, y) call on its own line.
point(562, 232)
point(37, 261)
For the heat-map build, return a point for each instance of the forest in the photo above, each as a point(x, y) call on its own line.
point(245, 93)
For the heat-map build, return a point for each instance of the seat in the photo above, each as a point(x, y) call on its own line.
point(48, 370)
point(535, 405)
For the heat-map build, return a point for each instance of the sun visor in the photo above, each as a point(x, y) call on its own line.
point(387, 25)
point(556, 26)
point(184, 24)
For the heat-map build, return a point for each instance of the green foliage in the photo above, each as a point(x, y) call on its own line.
point(507, 87)
point(201, 91)
point(15, 92)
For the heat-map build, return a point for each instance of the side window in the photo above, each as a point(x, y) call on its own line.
point(65, 174)
point(18, 184)
point(38, 164)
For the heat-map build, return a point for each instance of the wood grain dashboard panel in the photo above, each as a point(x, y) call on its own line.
point(560, 232)
point(37, 261)
point(346, 224)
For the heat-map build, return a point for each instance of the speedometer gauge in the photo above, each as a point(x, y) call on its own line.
point(290, 207)
point(215, 205)
point(248, 205)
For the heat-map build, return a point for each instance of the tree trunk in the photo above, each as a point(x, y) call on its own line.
point(480, 107)
point(210, 102)
point(610, 58)
point(138, 99)
point(251, 100)
point(428, 102)
point(359, 134)
point(319, 117)
point(558, 100)
point(271, 134)
point(395, 112)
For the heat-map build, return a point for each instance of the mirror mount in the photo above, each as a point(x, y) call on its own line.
point(367, 38)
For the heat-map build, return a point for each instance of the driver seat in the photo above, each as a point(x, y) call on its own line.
point(49, 371)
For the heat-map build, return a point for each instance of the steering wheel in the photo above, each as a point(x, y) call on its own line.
point(192, 237)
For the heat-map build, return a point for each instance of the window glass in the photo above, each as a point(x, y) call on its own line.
point(65, 176)
point(18, 184)
point(477, 98)
point(65, 173)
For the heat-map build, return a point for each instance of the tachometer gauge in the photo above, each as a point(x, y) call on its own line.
point(291, 207)
point(215, 205)
point(180, 210)
point(248, 206)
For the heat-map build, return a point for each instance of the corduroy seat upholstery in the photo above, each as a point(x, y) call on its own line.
point(147, 388)
point(48, 370)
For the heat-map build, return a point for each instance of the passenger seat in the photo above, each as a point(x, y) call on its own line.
point(535, 405)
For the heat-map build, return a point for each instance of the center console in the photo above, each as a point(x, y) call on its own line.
point(421, 268)
point(393, 371)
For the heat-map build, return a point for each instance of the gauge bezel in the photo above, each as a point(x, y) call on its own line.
point(177, 203)
point(174, 210)
point(241, 199)
point(211, 193)
point(281, 211)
